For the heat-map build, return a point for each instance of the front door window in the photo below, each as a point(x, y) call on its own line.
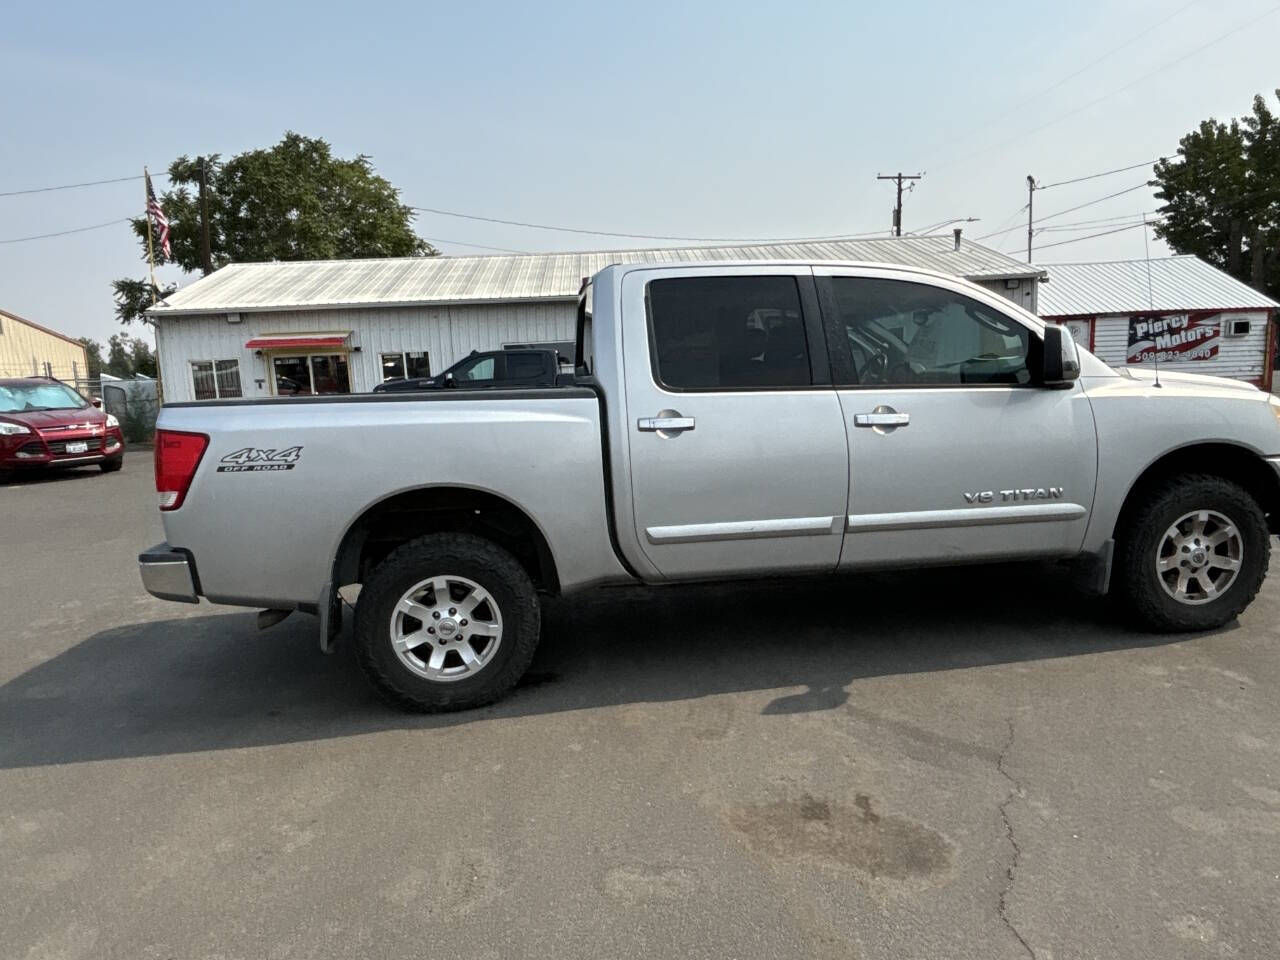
point(312, 375)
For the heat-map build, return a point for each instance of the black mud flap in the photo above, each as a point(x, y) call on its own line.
point(330, 619)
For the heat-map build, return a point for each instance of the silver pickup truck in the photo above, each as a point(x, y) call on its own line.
point(725, 421)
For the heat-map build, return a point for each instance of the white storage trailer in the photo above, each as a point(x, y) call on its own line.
point(1179, 312)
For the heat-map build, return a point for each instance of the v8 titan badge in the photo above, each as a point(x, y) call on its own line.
point(254, 459)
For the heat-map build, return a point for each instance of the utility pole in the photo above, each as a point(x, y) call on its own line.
point(206, 256)
point(897, 209)
point(1031, 196)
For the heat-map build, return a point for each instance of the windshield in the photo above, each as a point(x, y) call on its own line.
point(26, 397)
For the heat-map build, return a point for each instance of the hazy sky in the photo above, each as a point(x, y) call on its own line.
point(705, 119)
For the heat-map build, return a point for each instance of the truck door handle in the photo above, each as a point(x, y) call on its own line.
point(881, 419)
point(664, 425)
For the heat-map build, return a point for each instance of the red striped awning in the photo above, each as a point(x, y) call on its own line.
point(299, 341)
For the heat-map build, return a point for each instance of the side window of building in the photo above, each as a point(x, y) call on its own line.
point(215, 379)
point(408, 365)
point(392, 366)
point(728, 333)
point(903, 334)
point(417, 365)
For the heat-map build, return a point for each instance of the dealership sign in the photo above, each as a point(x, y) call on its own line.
point(1183, 336)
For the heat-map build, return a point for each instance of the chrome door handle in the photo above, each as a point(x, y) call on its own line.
point(881, 419)
point(665, 424)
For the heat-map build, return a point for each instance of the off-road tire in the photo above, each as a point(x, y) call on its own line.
point(446, 554)
point(1135, 583)
point(111, 466)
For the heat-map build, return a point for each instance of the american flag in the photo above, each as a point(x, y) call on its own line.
point(158, 218)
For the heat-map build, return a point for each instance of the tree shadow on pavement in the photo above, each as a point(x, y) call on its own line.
point(215, 682)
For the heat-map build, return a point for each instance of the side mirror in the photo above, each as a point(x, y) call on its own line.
point(97, 402)
point(449, 380)
point(1061, 366)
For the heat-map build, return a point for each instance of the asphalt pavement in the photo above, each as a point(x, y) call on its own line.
point(970, 763)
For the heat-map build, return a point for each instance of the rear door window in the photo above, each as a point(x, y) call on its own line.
point(525, 366)
point(728, 333)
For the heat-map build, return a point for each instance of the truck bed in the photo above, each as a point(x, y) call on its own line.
point(308, 468)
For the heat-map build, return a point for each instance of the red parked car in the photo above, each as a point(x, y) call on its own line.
point(44, 423)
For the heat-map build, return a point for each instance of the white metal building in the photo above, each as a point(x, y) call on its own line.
point(262, 329)
point(1180, 310)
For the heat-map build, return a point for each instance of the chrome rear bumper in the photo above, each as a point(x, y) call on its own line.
point(168, 574)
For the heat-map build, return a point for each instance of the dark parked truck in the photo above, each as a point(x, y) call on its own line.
point(493, 368)
point(725, 421)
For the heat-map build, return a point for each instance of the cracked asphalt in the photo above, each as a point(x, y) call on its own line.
point(960, 764)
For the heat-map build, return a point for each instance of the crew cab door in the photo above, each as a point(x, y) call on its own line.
point(953, 451)
point(737, 448)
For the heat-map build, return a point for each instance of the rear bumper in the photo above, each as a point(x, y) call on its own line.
point(169, 574)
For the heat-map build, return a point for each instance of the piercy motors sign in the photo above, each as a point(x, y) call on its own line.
point(1174, 337)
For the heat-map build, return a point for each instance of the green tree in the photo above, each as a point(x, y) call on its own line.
point(142, 358)
point(93, 350)
point(119, 356)
point(293, 201)
point(1221, 196)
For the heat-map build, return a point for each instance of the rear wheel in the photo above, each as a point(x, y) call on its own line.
point(447, 622)
point(1193, 556)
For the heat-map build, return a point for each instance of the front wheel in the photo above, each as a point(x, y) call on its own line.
point(1193, 556)
point(449, 621)
point(111, 466)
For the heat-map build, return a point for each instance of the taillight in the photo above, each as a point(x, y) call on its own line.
point(177, 456)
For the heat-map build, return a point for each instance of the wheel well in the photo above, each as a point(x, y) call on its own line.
point(415, 513)
point(1224, 460)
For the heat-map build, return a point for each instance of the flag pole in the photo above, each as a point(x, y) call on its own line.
point(151, 254)
point(151, 262)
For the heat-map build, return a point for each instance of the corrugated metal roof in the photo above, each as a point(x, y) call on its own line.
point(1120, 286)
point(248, 287)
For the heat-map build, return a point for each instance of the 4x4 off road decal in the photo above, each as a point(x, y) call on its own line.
point(253, 459)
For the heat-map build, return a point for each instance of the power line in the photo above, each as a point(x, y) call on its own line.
point(1119, 90)
point(1103, 233)
point(1011, 220)
point(925, 231)
point(1095, 176)
point(1071, 76)
point(640, 236)
point(1100, 220)
point(73, 186)
point(1092, 226)
point(1090, 203)
point(478, 246)
point(63, 233)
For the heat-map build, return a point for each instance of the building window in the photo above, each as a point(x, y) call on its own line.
point(311, 375)
point(409, 365)
point(215, 379)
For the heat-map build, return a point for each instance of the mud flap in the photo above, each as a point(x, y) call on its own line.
point(330, 606)
point(1092, 573)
